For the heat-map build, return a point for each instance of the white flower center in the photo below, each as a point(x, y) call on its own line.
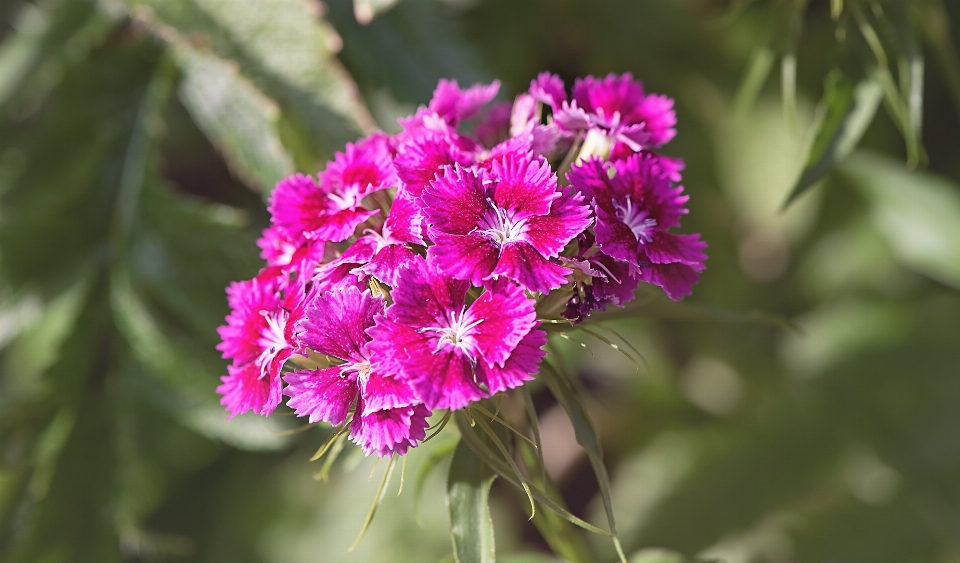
point(361, 368)
point(271, 339)
point(637, 220)
point(501, 226)
point(457, 334)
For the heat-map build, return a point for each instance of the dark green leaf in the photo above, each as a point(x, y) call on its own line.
point(285, 49)
point(844, 115)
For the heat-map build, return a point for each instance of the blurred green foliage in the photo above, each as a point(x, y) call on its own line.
point(803, 405)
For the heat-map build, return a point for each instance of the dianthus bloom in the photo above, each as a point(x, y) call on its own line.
point(414, 272)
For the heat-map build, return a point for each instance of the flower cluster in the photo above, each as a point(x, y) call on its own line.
point(411, 274)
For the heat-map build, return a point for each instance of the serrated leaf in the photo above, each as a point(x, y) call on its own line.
point(237, 118)
point(284, 48)
point(845, 113)
point(918, 213)
point(468, 491)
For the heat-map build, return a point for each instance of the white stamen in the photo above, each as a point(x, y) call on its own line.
point(501, 227)
point(271, 339)
point(457, 333)
point(637, 220)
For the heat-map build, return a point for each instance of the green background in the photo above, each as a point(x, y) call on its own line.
point(803, 405)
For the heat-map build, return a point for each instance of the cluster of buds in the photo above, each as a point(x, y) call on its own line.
point(415, 271)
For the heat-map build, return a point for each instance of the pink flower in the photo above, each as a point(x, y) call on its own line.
point(332, 209)
point(635, 209)
point(388, 417)
point(259, 338)
point(447, 350)
point(616, 106)
point(509, 221)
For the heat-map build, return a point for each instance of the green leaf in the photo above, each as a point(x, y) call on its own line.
point(468, 490)
point(284, 48)
point(483, 451)
point(240, 121)
point(918, 213)
point(436, 455)
point(45, 33)
point(587, 437)
point(758, 69)
point(845, 113)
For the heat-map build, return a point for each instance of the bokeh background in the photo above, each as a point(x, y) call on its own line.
point(803, 405)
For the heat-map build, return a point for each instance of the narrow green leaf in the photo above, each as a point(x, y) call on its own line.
point(758, 70)
point(587, 437)
point(935, 25)
point(535, 425)
point(844, 115)
point(237, 118)
point(918, 213)
point(507, 455)
point(468, 490)
point(483, 451)
point(381, 493)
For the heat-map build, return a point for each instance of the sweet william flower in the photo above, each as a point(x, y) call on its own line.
point(332, 209)
point(453, 353)
point(507, 221)
point(259, 337)
point(388, 417)
point(636, 204)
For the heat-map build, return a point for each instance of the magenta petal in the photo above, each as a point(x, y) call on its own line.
point(522, 364)
point(521, 261)
point(523, 184)
point(675, 279)
point(340, 225)
point(443, 380)
point(550, 233)
point(392, 431)
point(387, 263)
point(656, 112)
point(404, 223)
point(667, 248)
point(548, 89)
point(335, 322)
point(321, 394)
point(454, 203)
point(507, 315)
point(615, 238)
point(471, 257)
point(390, 344)
point(423, 296)
point(454, 104)
point(383, 392)
point(244, 389)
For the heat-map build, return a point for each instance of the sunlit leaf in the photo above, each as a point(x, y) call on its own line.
point(284, 48)
point(844, 115)
point(468, 489)
point(235, 116)
point(919, 213)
